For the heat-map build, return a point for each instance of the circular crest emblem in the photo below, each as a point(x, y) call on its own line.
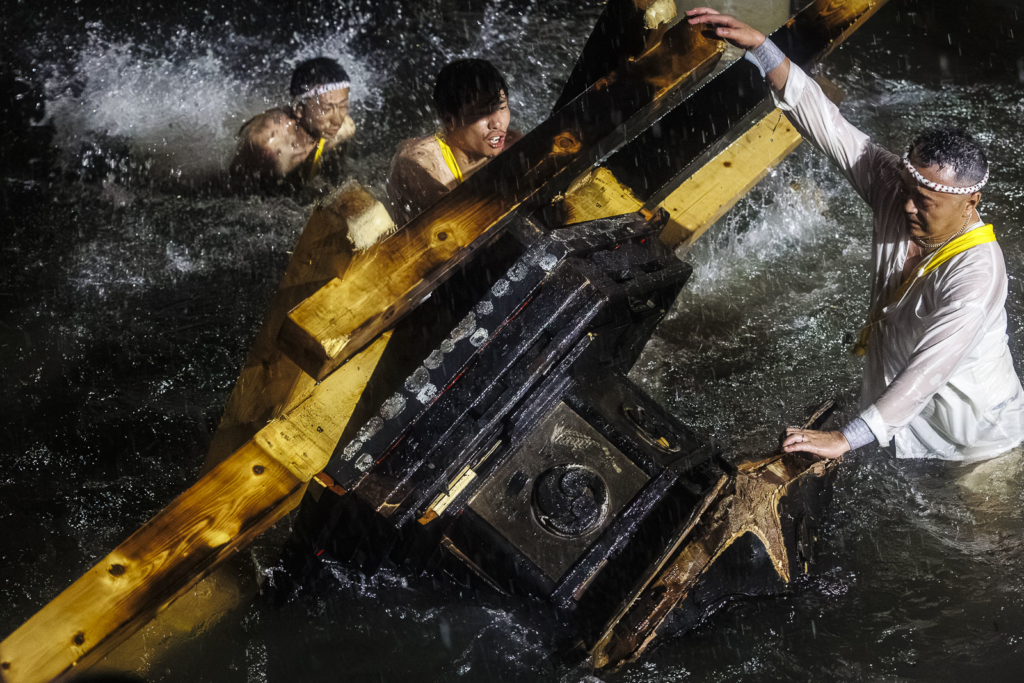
point(570, 500)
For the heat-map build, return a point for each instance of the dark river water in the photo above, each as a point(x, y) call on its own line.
point(132, 282)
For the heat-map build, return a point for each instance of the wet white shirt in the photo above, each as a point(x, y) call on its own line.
point(938, 376)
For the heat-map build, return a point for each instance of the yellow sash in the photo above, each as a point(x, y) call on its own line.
point(977, 236)
point(313, 170)
point(449, 158)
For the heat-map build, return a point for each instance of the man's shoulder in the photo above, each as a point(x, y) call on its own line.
point(418, 149)
point(985, 258)
point(260, 128)
point(973, 274)
point(421, 151)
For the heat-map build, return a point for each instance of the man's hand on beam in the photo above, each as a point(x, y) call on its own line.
point(729, 28)
point(736, 33)
point(829, 445)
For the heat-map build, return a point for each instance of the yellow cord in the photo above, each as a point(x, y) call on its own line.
point(449, 158)
point(314, 167)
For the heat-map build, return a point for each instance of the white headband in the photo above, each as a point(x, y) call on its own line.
point(319, 90)
point(936, 186)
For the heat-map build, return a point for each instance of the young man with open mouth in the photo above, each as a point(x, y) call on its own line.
point(471, 98)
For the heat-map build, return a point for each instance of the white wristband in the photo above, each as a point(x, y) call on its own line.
point(768, 56)
point(858, 434)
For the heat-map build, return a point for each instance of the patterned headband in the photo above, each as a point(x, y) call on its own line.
point(938, 187)
point(319, 90)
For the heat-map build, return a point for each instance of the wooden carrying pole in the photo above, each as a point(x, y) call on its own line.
point(719, 142)
point(219, 515)
point(625, 30)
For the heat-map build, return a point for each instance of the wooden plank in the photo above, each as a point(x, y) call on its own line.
point(597, 194)
point(382, 285)
point(709, 193)
point(219, 515)
point(704, 197)
point(270, 383)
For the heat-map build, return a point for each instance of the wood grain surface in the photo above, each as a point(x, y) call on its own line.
point(220, 514)
point(715, 188)
point(270, 383)
point(625, 30)
point(751, 508)
point(702, 198)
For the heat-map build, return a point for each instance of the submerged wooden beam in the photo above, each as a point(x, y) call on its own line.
point(222, 595)
point(269, 385)
point(219, 515)
point(753, 507)
point(381, 286)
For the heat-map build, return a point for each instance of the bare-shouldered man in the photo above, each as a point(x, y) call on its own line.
point(295, 139)
point(471, 98)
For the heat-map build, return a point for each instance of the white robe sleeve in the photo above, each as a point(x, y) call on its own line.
point(949, 332)
point(818, 119)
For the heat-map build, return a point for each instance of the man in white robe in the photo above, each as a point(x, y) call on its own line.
point(938, 376)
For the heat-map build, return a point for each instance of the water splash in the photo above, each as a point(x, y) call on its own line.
point(174, 111)
point(171, 111)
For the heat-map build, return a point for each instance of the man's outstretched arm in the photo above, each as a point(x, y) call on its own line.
point(815, 116)
point(819, 120)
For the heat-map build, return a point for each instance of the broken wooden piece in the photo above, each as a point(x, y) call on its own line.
point(752, 508)
point(752, 505)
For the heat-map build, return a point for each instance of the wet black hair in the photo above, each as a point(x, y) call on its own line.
point(953, 148)
point(314, 72)
point(468, 83)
